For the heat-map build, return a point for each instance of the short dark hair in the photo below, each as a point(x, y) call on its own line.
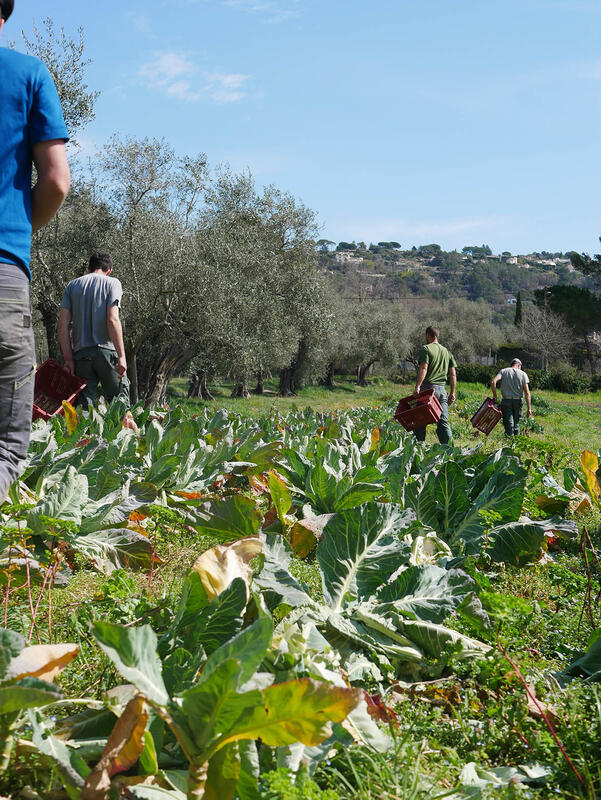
point(6, 8)
point(432, 331)
point(99, 261)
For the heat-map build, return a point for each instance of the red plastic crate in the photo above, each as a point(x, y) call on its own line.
point(53, 384)
point(487, 416)
point(418, 410)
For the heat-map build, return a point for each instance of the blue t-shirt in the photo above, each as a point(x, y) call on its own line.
point(30, 112)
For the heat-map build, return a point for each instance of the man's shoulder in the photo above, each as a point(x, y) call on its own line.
point(76, 281)
point(20, 63)
point(109, 286)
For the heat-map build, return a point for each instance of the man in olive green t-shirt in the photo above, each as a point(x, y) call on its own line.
point(435, 364)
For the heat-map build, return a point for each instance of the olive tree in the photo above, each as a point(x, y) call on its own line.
point(379, 333)
point(156, 199)
point(466, 329)
point(260, 247)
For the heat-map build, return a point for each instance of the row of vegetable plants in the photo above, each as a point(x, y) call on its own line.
point(250, 670)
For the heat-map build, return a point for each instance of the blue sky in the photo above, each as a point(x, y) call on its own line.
point(450, 121)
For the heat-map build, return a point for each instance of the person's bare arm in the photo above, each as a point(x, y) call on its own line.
point(452, 384)
point(493, 386)
point(116, 333)
point(421, 374)
point(54, 179)
point(64, 318)
point(528, 400)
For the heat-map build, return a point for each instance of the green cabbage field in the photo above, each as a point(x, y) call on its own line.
point(288, 605)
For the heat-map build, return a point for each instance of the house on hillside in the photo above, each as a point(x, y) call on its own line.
point(348, 257)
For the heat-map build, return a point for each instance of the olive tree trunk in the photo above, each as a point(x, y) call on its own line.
point(328, 378)
point(241, 389)
point(132, 371)
point(198, 386)
point(49, 316)
point(164, 368)
point(363, 372)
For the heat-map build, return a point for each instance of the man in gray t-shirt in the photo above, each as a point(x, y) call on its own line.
point(95, 349)
point(514, 383)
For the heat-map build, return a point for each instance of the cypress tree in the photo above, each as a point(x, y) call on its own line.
point(518, 311)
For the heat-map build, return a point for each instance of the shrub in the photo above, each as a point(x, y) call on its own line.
point(567, 379)
point(562, 378)
point(476, 373)
point(539, 379)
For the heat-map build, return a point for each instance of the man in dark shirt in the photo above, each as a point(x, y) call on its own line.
point(436, 364)
point(32, 131)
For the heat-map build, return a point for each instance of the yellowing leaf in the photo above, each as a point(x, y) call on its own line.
point(590, 465)
point(258, 485)
point(537, 708)
point(579, 500)
point(305, 533)
point(375, 438)
point(43, 661)
point(122, 750)
point(133, 526)
point(218, 566)
point(191, 495)
point(296, 711)
point(70, 416)
point(589, 461)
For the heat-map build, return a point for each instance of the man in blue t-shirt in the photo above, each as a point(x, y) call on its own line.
point(32, 132)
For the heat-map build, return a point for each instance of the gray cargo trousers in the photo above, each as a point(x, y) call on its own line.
point(17, 373)
point(443, 429)
point(97, 365)
point(512, 413)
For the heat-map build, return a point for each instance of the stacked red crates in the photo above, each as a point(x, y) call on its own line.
point(418, 410)
point(487, 416)
point(53, 384)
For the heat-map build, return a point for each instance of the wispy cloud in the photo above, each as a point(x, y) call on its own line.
point(225, 88)
point(141, 22)
point(177, 76)
point(272, 10)
point(267, 10)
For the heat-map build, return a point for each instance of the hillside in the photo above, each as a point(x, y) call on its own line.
point(385, 271)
